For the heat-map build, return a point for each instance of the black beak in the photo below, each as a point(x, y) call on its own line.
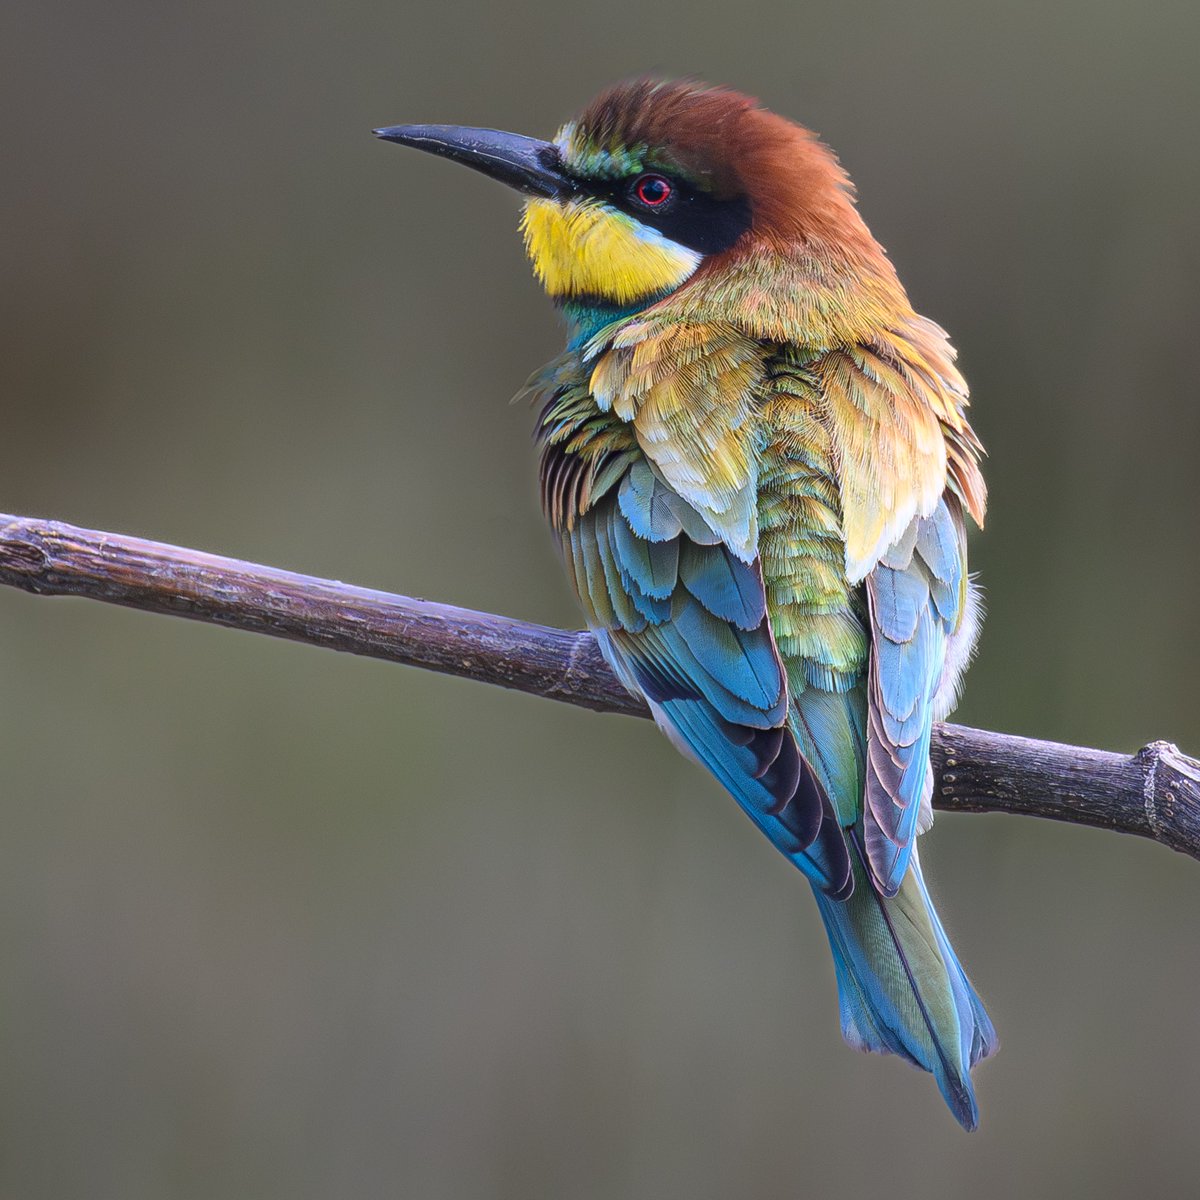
point(524, 163)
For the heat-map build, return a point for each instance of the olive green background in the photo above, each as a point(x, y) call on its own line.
point(278, 923)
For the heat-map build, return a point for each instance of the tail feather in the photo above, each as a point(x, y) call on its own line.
point(901, 988)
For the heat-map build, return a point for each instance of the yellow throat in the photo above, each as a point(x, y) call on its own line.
point(582, 248)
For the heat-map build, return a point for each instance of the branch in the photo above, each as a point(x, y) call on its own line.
point(1154, 793)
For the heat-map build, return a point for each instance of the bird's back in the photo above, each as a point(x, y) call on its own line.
point(756, 459)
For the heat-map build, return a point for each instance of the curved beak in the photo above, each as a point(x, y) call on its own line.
point(524, 163)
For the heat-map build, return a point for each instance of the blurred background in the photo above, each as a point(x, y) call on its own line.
point(275, 922)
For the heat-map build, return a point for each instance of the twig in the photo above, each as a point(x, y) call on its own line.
point(1154, 793)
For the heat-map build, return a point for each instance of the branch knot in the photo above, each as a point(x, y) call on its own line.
point(1150, 757)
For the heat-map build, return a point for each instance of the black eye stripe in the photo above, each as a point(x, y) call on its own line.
point(688, 216)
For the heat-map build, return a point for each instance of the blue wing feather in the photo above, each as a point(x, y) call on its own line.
point(684, 621)
point(746, 662)
point(915, 600)
point(647, 504)
point(728, 587)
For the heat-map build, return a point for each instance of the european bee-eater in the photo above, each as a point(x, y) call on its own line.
point(756, 461)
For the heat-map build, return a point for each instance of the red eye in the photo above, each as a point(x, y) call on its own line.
point(653, 190)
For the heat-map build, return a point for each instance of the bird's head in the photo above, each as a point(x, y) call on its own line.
point(657, 182)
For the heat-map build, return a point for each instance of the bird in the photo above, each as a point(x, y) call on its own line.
point(755, 458)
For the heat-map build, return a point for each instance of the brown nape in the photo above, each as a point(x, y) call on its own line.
point(725, 142)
